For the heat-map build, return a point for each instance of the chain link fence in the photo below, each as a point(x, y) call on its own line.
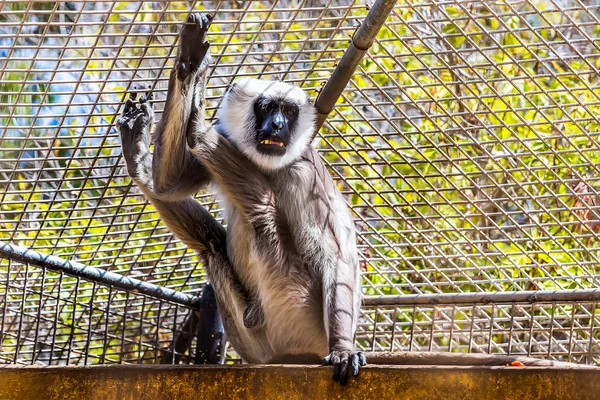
point(466, 144)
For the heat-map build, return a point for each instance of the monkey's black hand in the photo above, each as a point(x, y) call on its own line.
point(134, 125)
point(344, 362)
point(253, 315)
point(192, 45)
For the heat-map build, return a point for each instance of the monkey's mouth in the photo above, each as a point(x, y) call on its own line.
point(271, 147)
point(270, 142)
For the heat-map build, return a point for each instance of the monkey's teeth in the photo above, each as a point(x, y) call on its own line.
point(272, 142)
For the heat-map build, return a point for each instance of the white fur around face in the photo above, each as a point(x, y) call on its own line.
point(236, 116)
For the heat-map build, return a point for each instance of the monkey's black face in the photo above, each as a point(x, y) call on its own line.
point(275, 123)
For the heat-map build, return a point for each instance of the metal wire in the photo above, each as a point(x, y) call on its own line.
point(565, 331)
point(107, 278)
point(466, 144)
point(50, 318)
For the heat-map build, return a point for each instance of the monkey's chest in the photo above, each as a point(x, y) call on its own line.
point(290, 296)
point(294, 316)
point(293, 312)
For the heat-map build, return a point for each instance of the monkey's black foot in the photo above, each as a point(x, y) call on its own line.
point(253, 315)
point(344, 362)
point(192, 44)
point(134, 125)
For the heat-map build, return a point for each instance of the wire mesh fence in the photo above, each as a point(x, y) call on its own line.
point(559, 331)
point(466, 144)
point(50, 318)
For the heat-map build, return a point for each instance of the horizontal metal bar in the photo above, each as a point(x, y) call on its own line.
point(29, 256)
point(26, 255)
point(527, 296)
point(462, 359)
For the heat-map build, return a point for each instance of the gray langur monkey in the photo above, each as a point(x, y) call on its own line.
point(285, 272)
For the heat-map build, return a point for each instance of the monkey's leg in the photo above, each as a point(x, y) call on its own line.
point(176, 173)
point(210, 333)
point(341, 308)
point(197, 228)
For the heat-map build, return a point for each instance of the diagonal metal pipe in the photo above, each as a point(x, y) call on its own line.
point(29, 256)
point(361, 42)
point(26, 255)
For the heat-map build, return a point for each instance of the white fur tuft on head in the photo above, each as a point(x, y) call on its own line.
point(236, 117)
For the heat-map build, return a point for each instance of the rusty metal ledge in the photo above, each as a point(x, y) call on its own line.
point(297, 382)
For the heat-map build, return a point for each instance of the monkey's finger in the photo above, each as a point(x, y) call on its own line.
point(146, 109)
point(354, 364)
point(149, 93)
point(362, 358)
point(336, 371)
point(128, 105)
point(203, 50)
point(205, 21)
point(327, 360)
point(210, 18)
point(202, 21)
point(199, 20)
point(133, 95)
point(192, 17)
point(337, 365)
point(344, 371)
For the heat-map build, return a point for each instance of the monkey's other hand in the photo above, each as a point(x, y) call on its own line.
point(193, 46)
point(254, 316)
point(134, 126)
point(343, 362)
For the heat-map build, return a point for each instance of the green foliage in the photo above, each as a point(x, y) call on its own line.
point(460, 139)
point(474, 131)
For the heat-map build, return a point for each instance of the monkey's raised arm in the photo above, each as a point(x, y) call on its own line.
point(176, 173)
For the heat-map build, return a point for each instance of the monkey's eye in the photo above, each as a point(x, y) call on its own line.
point(289, 111)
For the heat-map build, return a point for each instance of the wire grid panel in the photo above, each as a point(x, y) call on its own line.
point(466, 143)
point(66, 70)
point(49, 318)
point(566, 331)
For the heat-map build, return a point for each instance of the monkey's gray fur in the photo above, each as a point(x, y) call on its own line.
point(286, 270)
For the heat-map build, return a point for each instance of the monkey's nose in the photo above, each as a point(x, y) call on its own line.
point(277, 123)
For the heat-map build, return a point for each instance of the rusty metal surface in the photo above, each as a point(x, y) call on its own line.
point(296, 382)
